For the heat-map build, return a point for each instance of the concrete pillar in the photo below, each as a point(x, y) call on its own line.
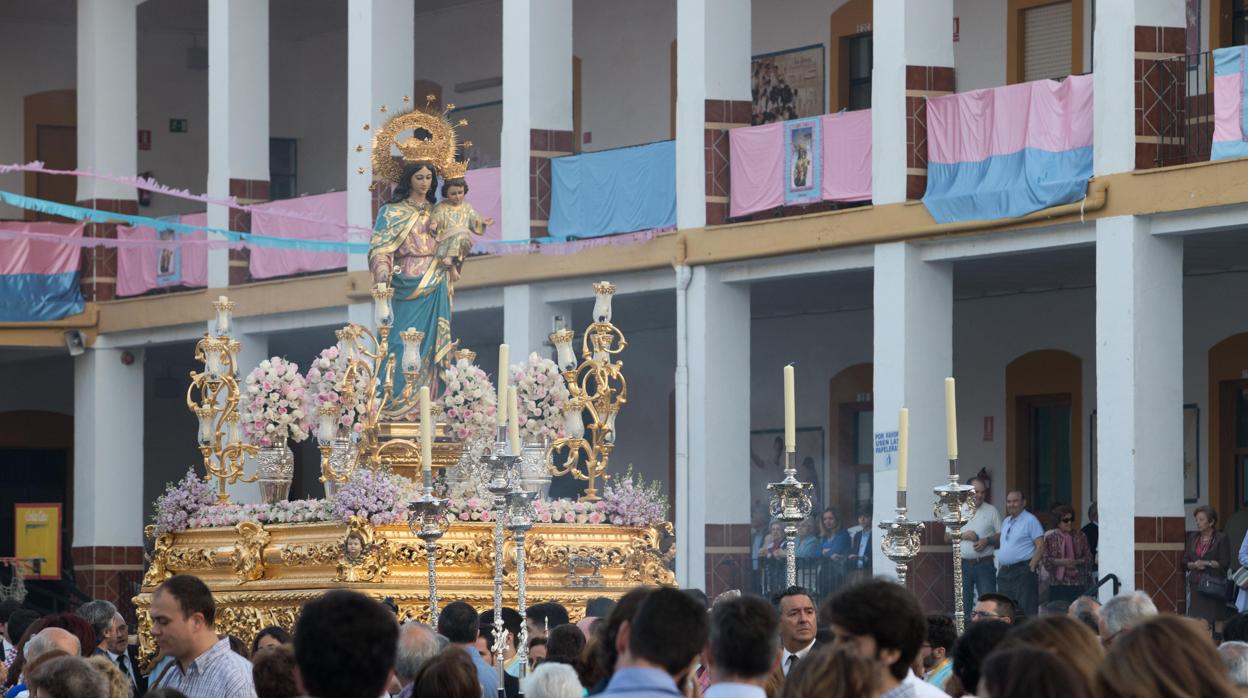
point(712, 96)
point(713, 495)
point(1139, 396)
point(107, 547)
point(255, 349)
point(380, 70)
point(527, 321)
point(913, 303)
point(537, 109)
point(107, 128)
point(238, 124)
point(901, 82)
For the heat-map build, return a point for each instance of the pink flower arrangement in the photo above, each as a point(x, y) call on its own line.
point(271, 409)
point(541, 394)
point(192, 503)
point(325, 383)
point(182, 502)
point(631, 501)
point(469, 403)
point(376, 495)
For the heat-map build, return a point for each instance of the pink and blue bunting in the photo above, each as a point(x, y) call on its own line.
point(1230, 135)
point(1008, 151)
point(39, 276)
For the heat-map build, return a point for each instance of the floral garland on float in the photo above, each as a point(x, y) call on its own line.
point(272, 414)
point(380, 497)
point(325, 384)
point(470, 406)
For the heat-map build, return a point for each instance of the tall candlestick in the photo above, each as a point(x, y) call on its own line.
point(426, 430)
point(951, 419)
point(903, 448)
point(790, 412)
point(513, 420)
point(503, 379)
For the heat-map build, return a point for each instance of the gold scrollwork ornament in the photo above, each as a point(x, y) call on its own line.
point(365, 556)
point(248, 556)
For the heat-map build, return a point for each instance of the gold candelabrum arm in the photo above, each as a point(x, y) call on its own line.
point(213, 396)
point(597, 386)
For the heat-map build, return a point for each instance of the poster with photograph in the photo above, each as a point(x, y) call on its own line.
point(787, 85)
point(803, 155)
point(168, 261)
point(767, 463)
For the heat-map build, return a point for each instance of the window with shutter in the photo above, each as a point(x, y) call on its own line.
point(1047, 36)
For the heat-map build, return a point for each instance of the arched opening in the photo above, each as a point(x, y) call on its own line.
point(1044, 430)
point(850, 426)
point(1228, 425)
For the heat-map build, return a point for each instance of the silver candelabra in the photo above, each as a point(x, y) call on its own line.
point(955, 505)
point(790, 503)
point(519, 521)
point(501, 466)
point(900, 542)
point(428, 520)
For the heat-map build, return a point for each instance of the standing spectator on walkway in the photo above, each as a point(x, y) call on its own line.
point(979, 572)
point(798, 623)
point(1067, 557)
point(1092, 530)
point(1020, 548)
point(860, 551)
point(743, 648)
point(183, 614)
point(1207, 557)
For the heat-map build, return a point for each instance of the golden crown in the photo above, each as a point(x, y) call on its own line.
point(433, 140)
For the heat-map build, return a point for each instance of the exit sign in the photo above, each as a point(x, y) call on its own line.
point(177, 126)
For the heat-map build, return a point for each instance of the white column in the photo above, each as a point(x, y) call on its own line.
point(1113, 79)
point(527, 322)
point(381, 70)
point(107, 96)
point(715, 489)
point(713, 62)
point(913, 303)
point(537, 94)
point(1139, 385)
point(238, 109)
point(108, 448)
point(924, 31)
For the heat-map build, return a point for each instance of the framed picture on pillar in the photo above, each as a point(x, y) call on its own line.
point(787, 84)
point(1191, 453)
point(767, 463)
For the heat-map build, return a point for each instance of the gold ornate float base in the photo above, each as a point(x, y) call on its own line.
point(261, 575)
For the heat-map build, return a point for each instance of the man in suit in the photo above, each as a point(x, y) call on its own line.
point(113, 635)
point(860, 545)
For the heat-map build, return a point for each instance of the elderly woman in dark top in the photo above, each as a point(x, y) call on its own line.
point(1067, 557)
point(1207, 557)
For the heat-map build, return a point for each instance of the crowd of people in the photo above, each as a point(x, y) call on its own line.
point(870, 639)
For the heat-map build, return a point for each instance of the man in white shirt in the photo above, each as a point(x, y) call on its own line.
point(1020, 545)
point(797, 625)
point(979, 572)
point(743, 648)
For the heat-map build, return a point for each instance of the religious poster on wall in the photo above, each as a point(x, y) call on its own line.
point(37, 540)
point(803, 154)
point(168, 261)
point(767, 463)
point(787, 85)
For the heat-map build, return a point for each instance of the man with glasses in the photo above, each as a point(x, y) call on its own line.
point(994, 607)
point(1020, 548)
point(979, 572)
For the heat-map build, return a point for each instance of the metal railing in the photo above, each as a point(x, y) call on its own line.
point(820, 576)
point(1174, 111)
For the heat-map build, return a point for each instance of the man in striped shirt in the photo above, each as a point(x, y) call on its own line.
point(183, 612)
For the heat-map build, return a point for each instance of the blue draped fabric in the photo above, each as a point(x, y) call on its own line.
point(613, 191)
point(39, 297)
point(1006, 186)
point(431, 315)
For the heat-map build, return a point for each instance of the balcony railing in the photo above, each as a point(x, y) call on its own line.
point(1174, 121)
point(820, 576)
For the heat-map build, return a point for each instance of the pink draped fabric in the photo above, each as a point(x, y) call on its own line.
point(847, 156)
point(755, 168)
point(267, 263)
point(756, 163)
point(1228, 93)
point(485, 193)
point(137, 266)
point(1042, 115)
point(20, 255)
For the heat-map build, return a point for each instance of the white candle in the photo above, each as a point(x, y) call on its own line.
point(223, 316)
point(790, 412)
point(513, 420)
point(951, 419)
point(426, 430)
point(903, 448)
point(503, 359)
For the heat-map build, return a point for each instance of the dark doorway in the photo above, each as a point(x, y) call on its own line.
point(57, 148)
point(1044, 451)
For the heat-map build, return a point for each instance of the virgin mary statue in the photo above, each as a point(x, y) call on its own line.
point(402, 251)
